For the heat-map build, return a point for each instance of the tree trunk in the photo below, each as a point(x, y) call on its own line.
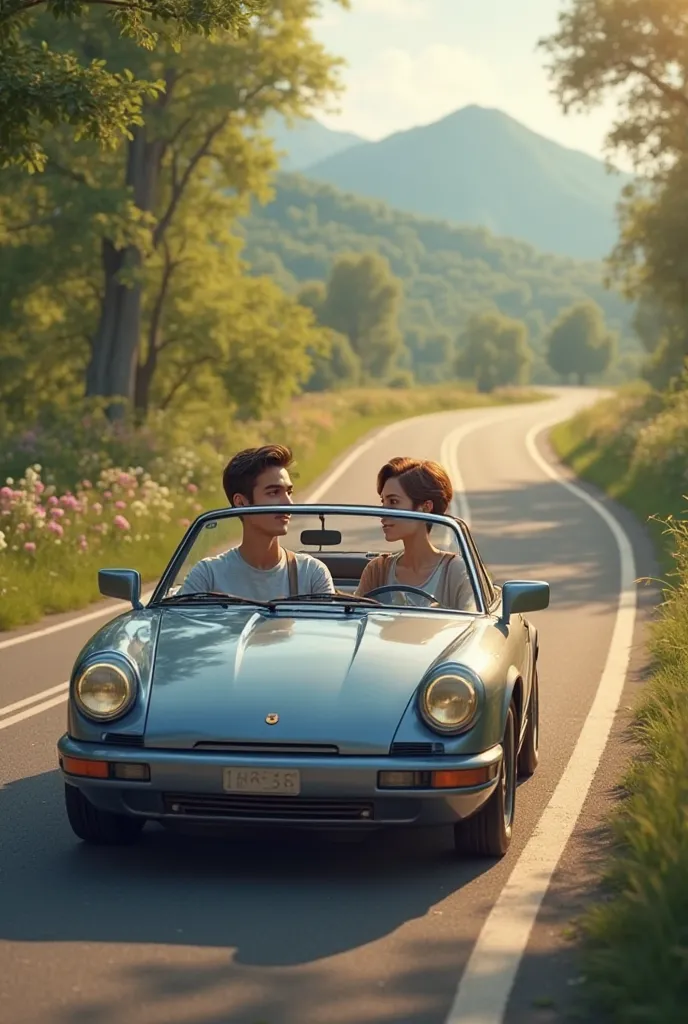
point(582, 378)
point(114, 351)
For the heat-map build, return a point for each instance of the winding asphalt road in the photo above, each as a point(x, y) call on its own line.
point(313, 931)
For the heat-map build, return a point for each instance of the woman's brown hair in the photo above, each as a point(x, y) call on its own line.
point(421, 479)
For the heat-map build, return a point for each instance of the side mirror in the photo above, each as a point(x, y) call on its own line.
point(123, 584)
point(523, 596)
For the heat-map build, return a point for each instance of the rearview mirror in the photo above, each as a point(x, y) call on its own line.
point(523, 596)
point(322, 538)
point(123, 584)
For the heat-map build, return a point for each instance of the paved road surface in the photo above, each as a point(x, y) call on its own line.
point(314, 931)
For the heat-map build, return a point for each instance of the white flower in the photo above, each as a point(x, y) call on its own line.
point(3, 542)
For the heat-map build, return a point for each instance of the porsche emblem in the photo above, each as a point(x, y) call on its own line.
point(272, 718)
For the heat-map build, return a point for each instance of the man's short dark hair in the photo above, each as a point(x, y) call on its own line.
point(242, 471)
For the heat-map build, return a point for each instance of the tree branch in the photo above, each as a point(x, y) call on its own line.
point(186, 373)
point(667, 90)
point(179, 188)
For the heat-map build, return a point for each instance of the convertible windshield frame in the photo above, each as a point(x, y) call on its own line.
point(458, 527)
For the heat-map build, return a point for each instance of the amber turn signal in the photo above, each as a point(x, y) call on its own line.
point(88, 769)
point(463, 778)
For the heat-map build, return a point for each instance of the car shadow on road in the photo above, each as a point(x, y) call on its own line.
point(279, 899)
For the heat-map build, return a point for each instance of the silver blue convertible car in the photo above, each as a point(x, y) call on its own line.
point(339, 710)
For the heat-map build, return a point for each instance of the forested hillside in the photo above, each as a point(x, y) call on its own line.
point(448, 273)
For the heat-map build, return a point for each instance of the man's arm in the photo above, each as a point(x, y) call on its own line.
point(320, 578)
point(197, 581)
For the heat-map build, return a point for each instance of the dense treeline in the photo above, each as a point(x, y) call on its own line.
point(448, 274)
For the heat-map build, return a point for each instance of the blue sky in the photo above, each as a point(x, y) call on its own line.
point(411, 62)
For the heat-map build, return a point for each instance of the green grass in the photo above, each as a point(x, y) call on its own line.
point(319, 426)
point(635, 944)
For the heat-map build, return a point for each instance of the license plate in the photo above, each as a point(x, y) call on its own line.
point(262, 780)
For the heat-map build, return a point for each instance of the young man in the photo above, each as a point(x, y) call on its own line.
point(260, 568)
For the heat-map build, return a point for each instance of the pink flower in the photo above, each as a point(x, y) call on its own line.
point(121, 523)
point(55, 528)
point(30, 547)
point(39, 487)
point(83, 543)
point(21, 527)
point(120, 504)
point(97, 507)
point(185, 523)
point(107, 494)
point(52, 500)
point(86, 484)
point(192, 489)
point(57, 513)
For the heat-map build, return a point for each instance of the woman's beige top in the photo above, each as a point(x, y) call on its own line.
point(448, 583)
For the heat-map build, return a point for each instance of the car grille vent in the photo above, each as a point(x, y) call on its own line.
point(416, 749)
point(269, 748)
point(123, 739)
point(270, 808)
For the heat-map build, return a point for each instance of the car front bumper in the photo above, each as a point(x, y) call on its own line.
point(186, 786)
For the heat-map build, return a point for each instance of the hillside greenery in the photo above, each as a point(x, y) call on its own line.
point(448, 274)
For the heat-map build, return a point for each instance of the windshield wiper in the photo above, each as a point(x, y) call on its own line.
point(211, 597)
point(344, 598)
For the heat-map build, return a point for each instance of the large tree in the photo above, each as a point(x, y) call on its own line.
point(42, 87)
point(363, 301)
point(145, 214)
point(494, 351)
point(634, 52)
point(579, 343)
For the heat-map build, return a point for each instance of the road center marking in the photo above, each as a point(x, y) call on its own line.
point(483, 993)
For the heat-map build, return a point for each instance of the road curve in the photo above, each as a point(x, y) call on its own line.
point(313, 931)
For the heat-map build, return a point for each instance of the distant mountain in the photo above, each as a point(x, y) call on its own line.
point(480, 167)
point(307, 142)
point(448, 273)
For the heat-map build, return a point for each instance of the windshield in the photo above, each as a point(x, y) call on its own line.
point(381, 557)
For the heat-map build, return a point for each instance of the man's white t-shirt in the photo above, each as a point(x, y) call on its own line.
point(231, 574)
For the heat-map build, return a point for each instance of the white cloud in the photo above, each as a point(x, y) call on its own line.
point(396, 89)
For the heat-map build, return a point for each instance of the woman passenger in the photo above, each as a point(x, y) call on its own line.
point(420, 486)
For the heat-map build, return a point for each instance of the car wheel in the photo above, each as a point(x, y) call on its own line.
point(529, 754)
point(488, 833)
point(101, 828)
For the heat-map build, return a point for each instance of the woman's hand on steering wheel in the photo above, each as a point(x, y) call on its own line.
point(392, 588)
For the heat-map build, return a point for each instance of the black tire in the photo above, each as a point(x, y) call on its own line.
point(529, 754)
point(488, 833)
point(102, 828)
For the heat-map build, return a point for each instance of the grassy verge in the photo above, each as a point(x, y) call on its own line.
point(137, 516)
point(635, 944)
point(615, 446)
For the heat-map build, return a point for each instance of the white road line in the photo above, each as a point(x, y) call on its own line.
point(60, 688)
point(37, 634)
point(483, 992)
point(5, 723)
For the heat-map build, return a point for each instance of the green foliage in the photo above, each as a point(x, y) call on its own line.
point(448, 273)
point(634, 53)
point(42, 88)
point(494, 351)
point(121, 268)
point(579, 343)
point(362, 301)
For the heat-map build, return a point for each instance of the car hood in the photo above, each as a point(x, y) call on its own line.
point(332, 678)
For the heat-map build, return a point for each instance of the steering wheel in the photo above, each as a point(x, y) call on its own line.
point(392, 588)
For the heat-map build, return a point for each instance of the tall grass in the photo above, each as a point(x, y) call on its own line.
point(636, 945)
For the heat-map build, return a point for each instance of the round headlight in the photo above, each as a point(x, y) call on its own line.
point(105, 690)
point(449, 702)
